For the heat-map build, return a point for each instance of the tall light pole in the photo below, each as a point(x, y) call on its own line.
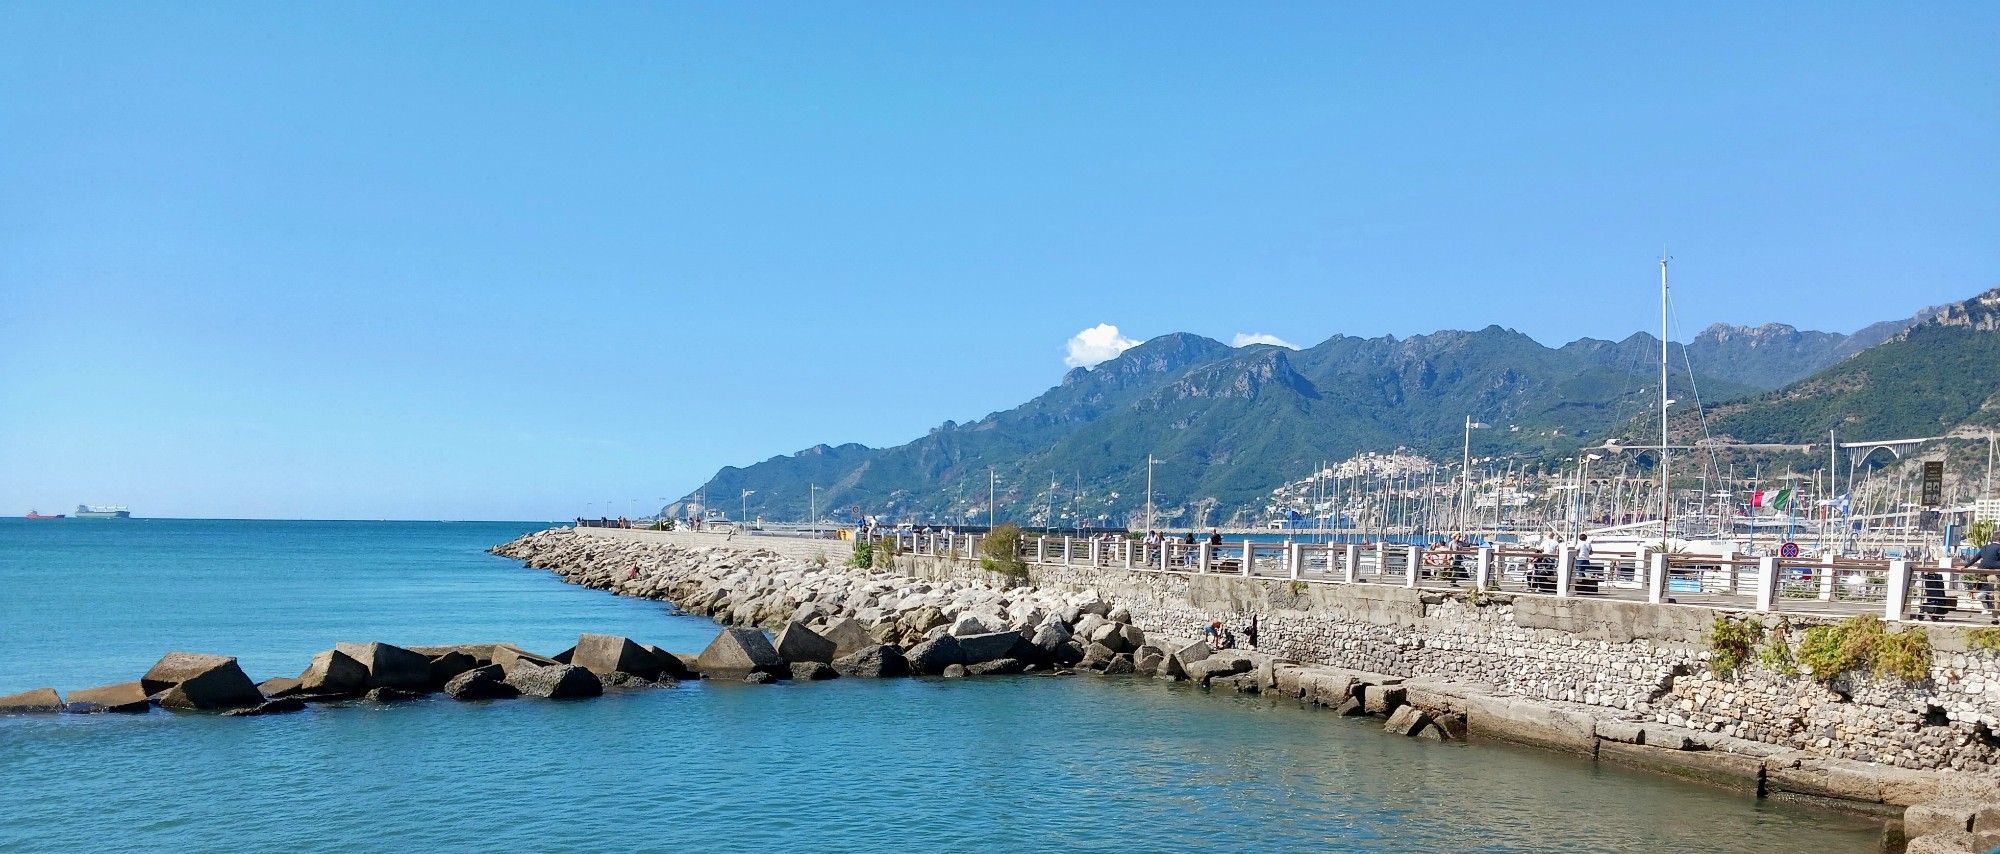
point(1149, 492)
point(812, 507)
point(743, 502)
point(992, 491)
point(1465, 476)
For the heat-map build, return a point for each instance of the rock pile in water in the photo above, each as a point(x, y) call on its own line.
point(378, 672)
point(856, 622)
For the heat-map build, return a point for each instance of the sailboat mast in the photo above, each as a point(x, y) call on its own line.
point(1666, 488)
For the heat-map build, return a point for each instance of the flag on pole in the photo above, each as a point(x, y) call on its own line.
point(1784, 499)
point(1757, 498)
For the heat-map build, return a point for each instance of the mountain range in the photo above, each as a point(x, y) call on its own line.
point(1230, 423)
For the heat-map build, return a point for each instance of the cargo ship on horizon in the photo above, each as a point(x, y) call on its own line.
point(108, 511)
point(37, 514)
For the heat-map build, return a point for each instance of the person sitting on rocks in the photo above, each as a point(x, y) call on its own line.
point(1213, 634)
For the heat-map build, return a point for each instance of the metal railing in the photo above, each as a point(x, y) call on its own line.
point(1892, 589)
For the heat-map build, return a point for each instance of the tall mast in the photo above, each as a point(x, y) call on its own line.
point(1666, 488)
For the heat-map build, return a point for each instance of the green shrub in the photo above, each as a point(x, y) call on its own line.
point(864, 553)
point(1000, 551)
point(1730, 642)
point(1863, 644)
point(1987, 639)
point(1776, 654)
point(885, 553)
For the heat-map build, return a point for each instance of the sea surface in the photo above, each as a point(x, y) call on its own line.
point(1021, 763)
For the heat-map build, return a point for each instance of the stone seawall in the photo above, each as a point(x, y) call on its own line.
point(1619, 681)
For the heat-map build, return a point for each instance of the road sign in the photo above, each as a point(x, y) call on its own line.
point(1933, 483)
point(1788, 550)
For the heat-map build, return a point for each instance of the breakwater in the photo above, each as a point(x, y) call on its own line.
point(1622, 682)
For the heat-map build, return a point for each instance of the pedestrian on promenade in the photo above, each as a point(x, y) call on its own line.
point(1981, 583)
point(1215, 537)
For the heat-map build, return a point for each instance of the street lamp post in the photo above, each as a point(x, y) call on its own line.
point(812, 508)
point(1149, 492)
point(992, 491)
point(1465, 476)
point(743, 503)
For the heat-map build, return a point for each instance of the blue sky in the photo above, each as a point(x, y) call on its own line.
point(515, 261)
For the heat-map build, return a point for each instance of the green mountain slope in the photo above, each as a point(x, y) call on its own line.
point(1935, 377)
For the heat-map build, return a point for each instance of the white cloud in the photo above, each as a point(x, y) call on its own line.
point(1245, 339)
point(1097, 344)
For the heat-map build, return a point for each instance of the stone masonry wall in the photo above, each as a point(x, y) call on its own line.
point(1644, 663)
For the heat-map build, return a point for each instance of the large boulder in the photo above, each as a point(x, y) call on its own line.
point(996, 667)
point(798, 644)
point(931, 657)
point(672, 666)
point(848, 636)
point(193, 680)
point(812, 671)
point(481, 683)
point(121, 698)
point(608, 654)
point(881, 661)
point(38, 700)
point(989, 646)
point(510, 657)
point(1050, 637)
point(556, 681)
point(1113, 635)
point(969, 624)
point(279, 686)
point(1086, 625)
point(390, 666)
point(740, 650)
point(447, 666)
point(335, 673)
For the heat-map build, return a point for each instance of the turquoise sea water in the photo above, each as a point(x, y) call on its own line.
point(1003, 764)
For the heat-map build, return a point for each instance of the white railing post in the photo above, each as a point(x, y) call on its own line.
point(1295, 560)
point(1729, 571)
point(1826, 577)
point(1166, 550)
point(1482, 567)
point(1127, 545)
point(1412, 559)
point(1092, 550)
point(1249, 557)
point(1041, 549)
point(1897, 599)
point(1767, 583)
point(1656, 578)
point(1350, 565)
point(1068, 549)
point(1381, 558)
point(1201, 557)
point(1565, 567)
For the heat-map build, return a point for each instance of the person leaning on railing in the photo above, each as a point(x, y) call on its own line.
point(1987, 559)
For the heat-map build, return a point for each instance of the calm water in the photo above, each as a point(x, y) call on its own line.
point(1020, 763)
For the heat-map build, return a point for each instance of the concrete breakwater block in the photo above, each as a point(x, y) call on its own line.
point(739, 650)
point(798, 644)
point(608, 654)
point(848, 636)
point(390, 666)
point(120, 698)
point(881, 661)
point(481, 683)
point(334, 673)
point(556, 681)
point(192, 680)
point(38, 700)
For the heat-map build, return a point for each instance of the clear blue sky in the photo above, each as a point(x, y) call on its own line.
point(504, 260)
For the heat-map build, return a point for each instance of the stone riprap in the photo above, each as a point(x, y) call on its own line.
point(1620, 681)
point(854, 621)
